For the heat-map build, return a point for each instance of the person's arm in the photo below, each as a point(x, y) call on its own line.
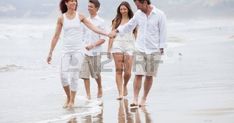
point(101, 39)
point(91, 26)
point(110, 42)
point(95, 44)
point(128, 27)
point(162, 33)
point(55, 38)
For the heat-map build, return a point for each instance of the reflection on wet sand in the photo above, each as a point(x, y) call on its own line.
point(134, 115)
point(97, 118)
point(125, 115)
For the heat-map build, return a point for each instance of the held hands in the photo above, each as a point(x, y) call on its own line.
point(112, 34)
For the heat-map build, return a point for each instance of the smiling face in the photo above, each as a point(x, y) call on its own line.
point(123, 10)
point(92, 9)
point(71, 4)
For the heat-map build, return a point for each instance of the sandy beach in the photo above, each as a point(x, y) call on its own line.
point(195, 82)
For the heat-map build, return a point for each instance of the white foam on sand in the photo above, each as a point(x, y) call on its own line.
point(91, 108)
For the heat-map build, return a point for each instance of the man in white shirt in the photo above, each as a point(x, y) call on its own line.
point(92, 62)
point(150, 43)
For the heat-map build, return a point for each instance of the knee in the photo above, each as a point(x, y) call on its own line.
point(64, 81)
point(74, 85)
point(119, 71)
point(138, 76)
point(149, 78)
point(127, 74)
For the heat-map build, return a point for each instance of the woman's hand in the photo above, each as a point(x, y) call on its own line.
point(49, 58)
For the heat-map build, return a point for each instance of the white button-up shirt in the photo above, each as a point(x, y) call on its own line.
point(151, 33)
point(91, 37)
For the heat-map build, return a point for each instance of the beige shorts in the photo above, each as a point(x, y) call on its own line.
point(146, 64)
point(91, 67)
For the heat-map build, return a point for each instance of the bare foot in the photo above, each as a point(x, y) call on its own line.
point(134, 104)
point(125, 91)
point(119, 98)
point(99, 94)
point(66, 104)
point(70, 105)
point(143, 102)
point(88, 97)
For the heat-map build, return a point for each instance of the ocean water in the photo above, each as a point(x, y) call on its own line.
point(31, 91)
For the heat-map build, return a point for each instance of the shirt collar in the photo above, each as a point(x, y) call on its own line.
point(154, 9)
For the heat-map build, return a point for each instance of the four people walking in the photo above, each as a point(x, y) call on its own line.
point(141, 35)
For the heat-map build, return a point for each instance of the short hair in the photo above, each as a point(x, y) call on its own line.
point(142, 1)
point(96, 3)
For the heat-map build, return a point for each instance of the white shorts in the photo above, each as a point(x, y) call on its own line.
point(146, 64)
point(124, 44)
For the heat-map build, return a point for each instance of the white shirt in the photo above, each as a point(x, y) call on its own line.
point(151, 33)
point(91, 37)
point(73, 34)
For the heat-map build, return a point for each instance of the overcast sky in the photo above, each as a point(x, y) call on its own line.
point(173, 8)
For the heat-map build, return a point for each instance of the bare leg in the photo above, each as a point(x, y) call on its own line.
point(137, 87)
point(147, 86)
point(118, 58)
point(87, 88)
point(67, 91)
point(99, 83)
point(72, 100)
point(127, 72)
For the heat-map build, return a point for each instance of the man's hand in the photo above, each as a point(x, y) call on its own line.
point(112, 34)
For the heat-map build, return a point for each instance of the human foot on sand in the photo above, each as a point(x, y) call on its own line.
point(88, 97)
point(99, 94)
point(134, 104)
point(143, 102)
point(119, 98)
point(66, 104)
point(70, 105)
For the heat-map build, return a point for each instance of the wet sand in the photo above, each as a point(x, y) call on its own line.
point(195, 84)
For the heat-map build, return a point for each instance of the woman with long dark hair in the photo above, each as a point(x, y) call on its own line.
point(122, 48)
point(72, 55)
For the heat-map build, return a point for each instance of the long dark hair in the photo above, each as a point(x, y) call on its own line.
point(118, 17)
point(63, 6)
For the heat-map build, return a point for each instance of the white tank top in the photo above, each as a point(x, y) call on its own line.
point(73, 34)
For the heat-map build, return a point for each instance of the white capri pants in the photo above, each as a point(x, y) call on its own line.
point(70, 69)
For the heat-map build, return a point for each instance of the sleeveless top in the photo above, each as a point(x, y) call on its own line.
point(72, 34)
